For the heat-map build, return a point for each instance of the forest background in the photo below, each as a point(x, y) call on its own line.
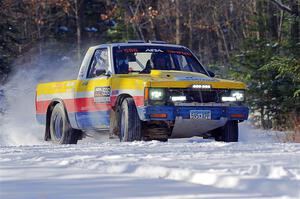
point(255, 41)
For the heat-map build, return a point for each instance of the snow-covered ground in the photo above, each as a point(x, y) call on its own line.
point(256, 167)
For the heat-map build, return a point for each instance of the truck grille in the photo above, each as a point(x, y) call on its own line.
point(200, 96)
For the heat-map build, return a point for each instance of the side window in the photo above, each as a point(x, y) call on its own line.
point(99, 64)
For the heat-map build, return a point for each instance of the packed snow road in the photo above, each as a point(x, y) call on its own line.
point(256, 167)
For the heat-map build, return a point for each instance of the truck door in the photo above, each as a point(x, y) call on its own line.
point(94, 93)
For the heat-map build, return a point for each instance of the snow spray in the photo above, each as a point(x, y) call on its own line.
point(18, 125)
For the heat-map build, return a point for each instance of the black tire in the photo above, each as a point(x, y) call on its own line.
point(60, 129)
point(228, 133)
point(129, 122)
point(163, 140)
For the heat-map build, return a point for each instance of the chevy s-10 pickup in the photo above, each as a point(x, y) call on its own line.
point(141, 91)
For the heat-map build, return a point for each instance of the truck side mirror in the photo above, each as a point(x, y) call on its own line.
point(108, 73)
point(212, 74)
point(100, 72)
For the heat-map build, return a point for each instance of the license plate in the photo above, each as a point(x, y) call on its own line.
point(200, 114)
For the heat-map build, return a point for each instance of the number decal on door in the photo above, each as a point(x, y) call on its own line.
point(102, 95)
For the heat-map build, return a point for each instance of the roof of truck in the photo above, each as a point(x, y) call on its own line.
point(140, 43)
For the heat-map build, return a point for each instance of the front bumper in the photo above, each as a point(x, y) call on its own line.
point(239, 113)
point(185, 127)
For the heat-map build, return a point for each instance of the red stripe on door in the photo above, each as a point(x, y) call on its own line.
point(75, 105)
point(84, 104)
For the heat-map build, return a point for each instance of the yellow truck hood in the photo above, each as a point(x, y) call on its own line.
point(180, 79)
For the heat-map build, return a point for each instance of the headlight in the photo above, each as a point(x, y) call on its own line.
point(239, 95)
point(235, 96)
point(156, 94)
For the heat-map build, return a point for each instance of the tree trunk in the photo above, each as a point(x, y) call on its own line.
point(38, 27)
point(280, 25)
point(178, 33)
point(190, 24)
point(273, 21)
point(136, 26)
point(224, 43)
point(154, 23)
point(78, 29)
point(295, 22)
point(261, 21)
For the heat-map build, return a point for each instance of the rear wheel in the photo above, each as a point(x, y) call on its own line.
point(60, 129)
point(228, 133)
point(129, 122)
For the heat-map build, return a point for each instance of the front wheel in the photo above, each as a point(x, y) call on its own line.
point(60, 129)
point(129, 122)
point(228, 133)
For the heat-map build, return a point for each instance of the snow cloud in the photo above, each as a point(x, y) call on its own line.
point(18, 125)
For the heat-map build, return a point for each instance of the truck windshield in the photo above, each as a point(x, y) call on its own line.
point(143, 59)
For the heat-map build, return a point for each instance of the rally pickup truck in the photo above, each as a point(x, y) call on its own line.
point(141, 91)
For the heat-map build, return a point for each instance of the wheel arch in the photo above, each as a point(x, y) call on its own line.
point(114, 113)
point(130, 121)
point(120, 99)
point(50, 108)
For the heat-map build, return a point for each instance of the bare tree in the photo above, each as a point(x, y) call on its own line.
point(178, 22)
point(293, 10)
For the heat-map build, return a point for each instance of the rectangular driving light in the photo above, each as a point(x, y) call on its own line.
point(239, 95)
point(235, 96)
point(228, 99)
point(178, 98)
point(201, 86)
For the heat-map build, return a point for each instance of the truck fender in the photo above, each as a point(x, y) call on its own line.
point(114, 113)
point(47, 136)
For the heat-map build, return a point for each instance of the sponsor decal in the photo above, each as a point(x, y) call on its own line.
point(192, 78)
point(130, 50)
point(179, 52)
point(102, 95)
point(153, 50)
